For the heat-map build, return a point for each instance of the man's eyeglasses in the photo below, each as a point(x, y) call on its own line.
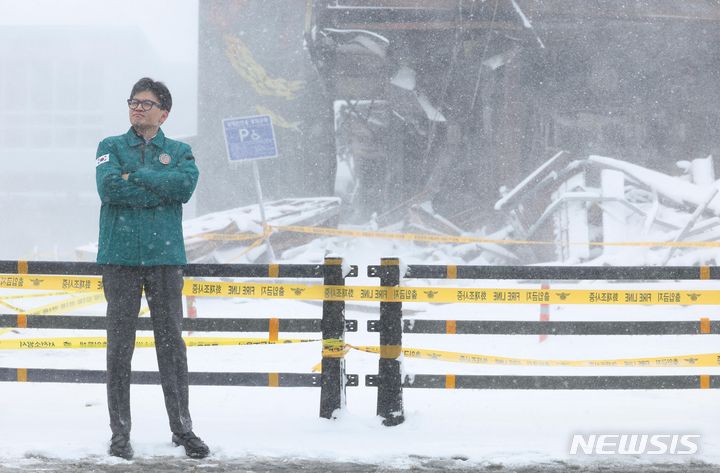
point(145, 104)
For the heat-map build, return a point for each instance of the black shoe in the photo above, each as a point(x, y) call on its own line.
point(120, 446)
point(194, 446)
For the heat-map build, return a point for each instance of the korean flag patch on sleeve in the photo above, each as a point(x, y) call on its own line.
point(102, 159)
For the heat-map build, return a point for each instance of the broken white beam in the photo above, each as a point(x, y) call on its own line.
point(614, 216)
point(571, 223)
point(702, 171)
point(675, 189)
point(533, 178)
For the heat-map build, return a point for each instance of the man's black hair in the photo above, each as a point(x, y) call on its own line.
point(156, 87)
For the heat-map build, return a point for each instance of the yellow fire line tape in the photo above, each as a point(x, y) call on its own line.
point(65, 306)
point(327, 231)
point(10, 306)
point(398, 236)
point(140, 342)
point(32, 296)
point(334, 348)
point(390, 352)
point(451, 295)
point(254, 245)
point(230, 236)
point(390, 294)
point(682, 361)
point(464, 239)
point(53, 283)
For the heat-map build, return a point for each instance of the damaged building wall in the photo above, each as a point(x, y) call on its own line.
point(492, 89)
point(448, 102)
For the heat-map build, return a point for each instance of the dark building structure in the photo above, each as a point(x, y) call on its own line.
point(445, 101)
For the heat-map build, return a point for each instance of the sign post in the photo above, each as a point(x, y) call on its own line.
point(249, 139)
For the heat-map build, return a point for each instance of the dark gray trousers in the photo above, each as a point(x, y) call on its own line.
point(123, 286)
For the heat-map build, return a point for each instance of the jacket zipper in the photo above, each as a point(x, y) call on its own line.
point(142, 163)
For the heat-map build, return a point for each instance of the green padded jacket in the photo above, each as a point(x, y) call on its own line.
point(141, 217)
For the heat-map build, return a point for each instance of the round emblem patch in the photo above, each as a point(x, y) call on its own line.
point(165, 158)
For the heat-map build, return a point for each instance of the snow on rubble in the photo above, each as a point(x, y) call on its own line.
point(600, 210)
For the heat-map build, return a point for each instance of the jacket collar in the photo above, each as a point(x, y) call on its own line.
point(133, 139)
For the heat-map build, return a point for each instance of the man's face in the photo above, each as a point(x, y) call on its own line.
point(152, 118)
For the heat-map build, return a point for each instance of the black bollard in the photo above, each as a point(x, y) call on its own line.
point(390, 403)
point(332, 393)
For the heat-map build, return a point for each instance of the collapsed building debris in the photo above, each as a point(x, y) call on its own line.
point(466, 95)
point(595, 209)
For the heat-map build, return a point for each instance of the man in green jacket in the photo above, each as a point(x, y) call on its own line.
point(143, 178)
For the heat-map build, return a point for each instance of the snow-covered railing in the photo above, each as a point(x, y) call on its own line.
point(391, 378)
point(333, 326)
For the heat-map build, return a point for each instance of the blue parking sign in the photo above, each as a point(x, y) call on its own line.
point(249, 138)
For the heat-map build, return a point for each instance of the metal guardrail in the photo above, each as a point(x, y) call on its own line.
point(282, 380)
point(555, 273)
point(515, 327)
point(333, 326)
point(78, 322)
point(554, 382)
point(391, 378)
point(190, 270)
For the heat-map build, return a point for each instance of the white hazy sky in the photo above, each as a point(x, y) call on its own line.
point(170, 25)
point(171, 29)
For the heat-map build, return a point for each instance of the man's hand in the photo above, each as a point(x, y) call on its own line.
point(126, 175)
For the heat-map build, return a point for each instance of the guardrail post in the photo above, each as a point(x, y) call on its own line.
point(332, 392)
point(390, 402)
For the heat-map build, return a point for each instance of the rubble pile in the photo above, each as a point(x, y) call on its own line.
point(601, 210)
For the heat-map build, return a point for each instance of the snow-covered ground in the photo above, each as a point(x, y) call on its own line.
point(43, 424)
